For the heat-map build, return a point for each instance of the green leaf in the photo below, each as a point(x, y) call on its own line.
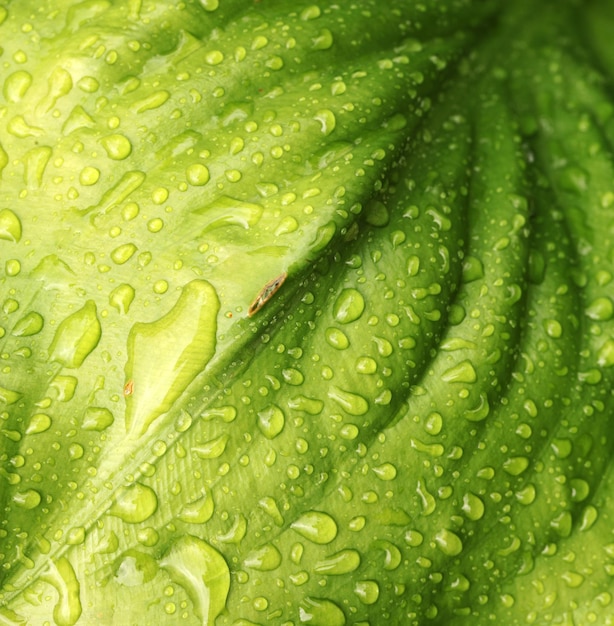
point(307, 312)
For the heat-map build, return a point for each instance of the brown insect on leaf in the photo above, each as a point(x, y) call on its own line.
point(129, 388)
point(266, 293)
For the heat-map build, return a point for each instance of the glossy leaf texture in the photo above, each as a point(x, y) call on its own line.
point(307, 313)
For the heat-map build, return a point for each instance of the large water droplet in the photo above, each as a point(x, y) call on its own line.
point(202, 572)
point(316, 526)
point(134, 504)
point(180, 344)
point(448, 542)
point(349, 306)
point(320, 612)
point(197, 512)
point(118, 147)
point(61, 575)
point(264, 559)
point(76, 336)
point(271, 421)
point(367, 591)
point(342, 562)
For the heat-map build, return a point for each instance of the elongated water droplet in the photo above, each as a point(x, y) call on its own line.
point(29, 325)
point(342, 562)
point(202, 572)
point(181, 344)
point(76, 336)
point(61, 575)
point(121, 297)
point(350, 402)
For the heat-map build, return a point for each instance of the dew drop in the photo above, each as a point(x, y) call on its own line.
point(76, 336)
point(351, 403)
point(28, 499)
point(316, 526)
point(327, 121)
point(123, 253)
point(271, 421)
point(448, 542)
point(342, 562)
point(473, 507)
point(197, 512)
point(463, 372)
point(320, 612)
point(97, 418)
point(134, 504)
point(213, 448)
point(39, 423)
point(121, 298)
point(181, 343)
point(202, 572)
point(31, 324)
point(349, 306)
point(118, 147)
point(265, 559)
point(367, 591)
point(61, 575)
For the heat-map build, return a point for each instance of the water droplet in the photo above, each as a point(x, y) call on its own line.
point(89, 176)
point(31, 324)
point(473, 507)
point(121, 297)
point(351, 403)
point(385, 471)
point(181, 343)
point(122, 254)
point(152, 101)
point(28, 499)
point(316, 526)
point(271, 421)
point(562, 524)
point(16, 85)
point(118, 147)
point(580, 489)
point(269, 506)
point(553, 328)
point(202, 572)
point(197, 174)
point(236, 532)
point(433, 423)
point(135, 568)
point(226, 211)
point(327, 121)
point(480, 411)
point(61, 575)
point(226, 413)
point(265, 559)
point(39, 423)
point(366, 365)
point(393, 556)
point(312, 406)
point(600, 309)
point(428, 501)
point(134, 504)
point(320, 612)
point(367, 591)
point(97, 418)
point(463, 372)
point(197, 512)
point(76, 336)
point(337, 338)
point(514, 466)
point(213, 448)
point(349, 306)
point(342, 562)
point(323, 40)
point(448, 542)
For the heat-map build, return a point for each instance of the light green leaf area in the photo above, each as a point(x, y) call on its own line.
point(306, 313)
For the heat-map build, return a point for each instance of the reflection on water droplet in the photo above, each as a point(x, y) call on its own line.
point(213, 448)
point(202, 572)
point(327, 121)
point(39, 423)
point(118, 147)
point(10, 226)
point(29, 325)
point(351, 403)
point(448, 542)
point(316, 526)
